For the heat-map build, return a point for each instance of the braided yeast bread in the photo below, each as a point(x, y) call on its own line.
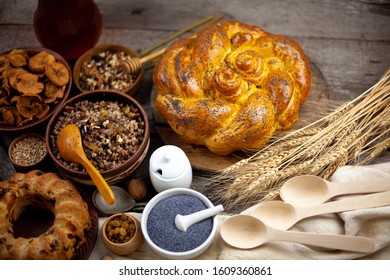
point(231, 86)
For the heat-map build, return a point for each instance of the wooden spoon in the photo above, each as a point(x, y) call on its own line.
point(310, 190)
point(247, 232)
point(71, 149)
point(281, 215)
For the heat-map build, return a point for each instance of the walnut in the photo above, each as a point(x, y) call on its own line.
point(137, 189)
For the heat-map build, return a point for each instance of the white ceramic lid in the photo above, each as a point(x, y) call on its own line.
point(168, 162)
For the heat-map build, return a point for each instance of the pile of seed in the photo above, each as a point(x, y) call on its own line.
point(111, 132)
point(28, 151)
point(163, 231)
point(103, 71)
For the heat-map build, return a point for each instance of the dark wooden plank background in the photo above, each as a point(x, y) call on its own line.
point(349, 41)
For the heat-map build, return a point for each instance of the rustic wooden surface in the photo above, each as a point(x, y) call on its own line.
point(349, 41)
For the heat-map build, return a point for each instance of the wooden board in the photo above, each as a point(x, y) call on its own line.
point(202, 159)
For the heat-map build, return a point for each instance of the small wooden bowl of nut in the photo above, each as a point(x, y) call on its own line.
point(27, 151)
point(100, 68)
point(121, 234)
point(115, 135)
point(35, 82)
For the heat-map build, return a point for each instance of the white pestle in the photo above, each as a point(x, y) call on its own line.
point(183, 222)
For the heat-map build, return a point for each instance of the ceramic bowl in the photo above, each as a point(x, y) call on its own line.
point(170, 254)
point(94, 52)
point(125, 248)
point(34, 150)
point(115, 174)
point(30, 126)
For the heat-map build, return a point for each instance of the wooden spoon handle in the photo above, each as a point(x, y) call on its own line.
point(332, 241)
point(363, 186)
point(101, 184)
point(348, 204)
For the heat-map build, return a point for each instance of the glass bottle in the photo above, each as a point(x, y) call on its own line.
point(69, 27)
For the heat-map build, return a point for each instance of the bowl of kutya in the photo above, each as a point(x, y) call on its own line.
point(102, 68)
point(115, 135)
point(34, 82)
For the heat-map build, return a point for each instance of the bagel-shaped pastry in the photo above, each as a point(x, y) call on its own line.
point(47, 191)
point(232, 86)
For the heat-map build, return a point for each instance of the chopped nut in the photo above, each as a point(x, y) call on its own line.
point(103, 72)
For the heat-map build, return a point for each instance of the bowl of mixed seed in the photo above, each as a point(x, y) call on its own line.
point(115, 134)
point(103, 68)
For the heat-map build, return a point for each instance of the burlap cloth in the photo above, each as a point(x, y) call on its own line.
point(373, 223)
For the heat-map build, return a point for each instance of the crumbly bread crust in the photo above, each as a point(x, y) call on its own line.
point(71, 221)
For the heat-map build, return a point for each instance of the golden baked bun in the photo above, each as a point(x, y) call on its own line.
point(232, 86)
point(48, 191)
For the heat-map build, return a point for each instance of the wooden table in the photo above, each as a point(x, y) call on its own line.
point(349, 41)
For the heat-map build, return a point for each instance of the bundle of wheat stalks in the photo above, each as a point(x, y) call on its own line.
point(354, 133)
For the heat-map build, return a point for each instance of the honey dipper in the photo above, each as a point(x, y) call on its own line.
point(134, 64)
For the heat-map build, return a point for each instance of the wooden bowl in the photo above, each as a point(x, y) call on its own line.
point(27, 153)
point(119, 172)
point(89, 55)
point(125, 248)
point(33, 125)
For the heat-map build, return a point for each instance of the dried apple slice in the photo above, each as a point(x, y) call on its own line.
point(15, 99)
point(38, 62)
point(52, 93)
point(23, 122)
point(18, 58)
point(43, 111)
point(28, 84)
point(5, 86)
point(29, 105)
point(4, 63)
point(12, 75)
point(4, 102)
point(9, 116)
point(57, 73)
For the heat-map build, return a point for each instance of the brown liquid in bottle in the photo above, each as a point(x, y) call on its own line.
point(69, 27)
